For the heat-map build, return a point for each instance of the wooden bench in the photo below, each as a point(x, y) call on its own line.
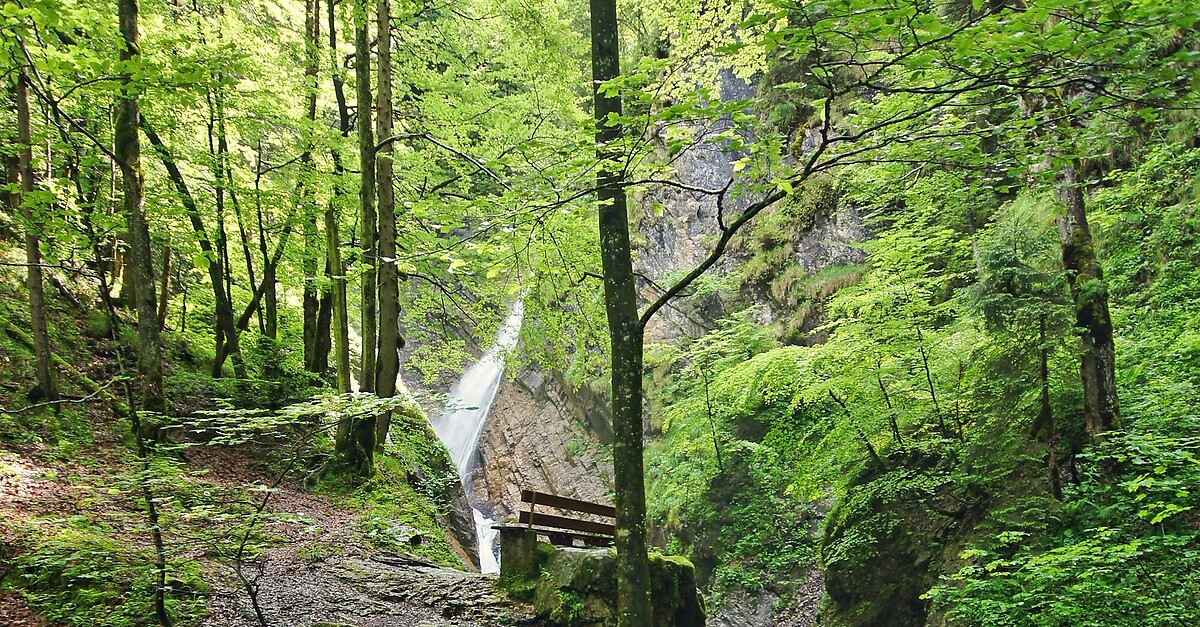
point(566, 530)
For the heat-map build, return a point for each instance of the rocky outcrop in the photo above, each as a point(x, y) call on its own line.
point(677, 226)
point(574, 587)
point(534, 439)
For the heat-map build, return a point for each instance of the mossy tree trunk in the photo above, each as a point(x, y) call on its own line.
point(625, 329)
point(366, 191)
point(388, 365)
point(355, 440)
point(47, 386)
point(1089, 294)
point(129, 156)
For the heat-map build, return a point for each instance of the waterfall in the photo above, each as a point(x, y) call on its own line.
point(466, 412)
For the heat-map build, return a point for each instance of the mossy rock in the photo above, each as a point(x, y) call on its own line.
point(578, 588)
point(883, 540)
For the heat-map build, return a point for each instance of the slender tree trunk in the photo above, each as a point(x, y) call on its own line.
point(341, 321)
point(887, 400)
point(355, 441)
point(625, 329)
point(388, 366)
point(270, 297)
point(165, 278)
point(366, 193)
point(337, 271)
point(1046, 414)
point(937, 409)
point(1089, 293)
point(311, 304)
point(324, 324)
point(224, 309)
point(217, 148)
point(226, 177)
point(128, 150)
point(47, 386)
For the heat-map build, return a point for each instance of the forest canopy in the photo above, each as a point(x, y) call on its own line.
point(894, 296)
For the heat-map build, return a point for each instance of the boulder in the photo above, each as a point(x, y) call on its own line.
point(573, 587)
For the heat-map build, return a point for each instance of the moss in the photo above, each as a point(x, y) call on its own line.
point(394, 513)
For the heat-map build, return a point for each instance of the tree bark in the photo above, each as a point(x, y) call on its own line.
point(366, 192)
point(165, 286)
point(311, 299)
point(388, 365)
point(128, 150)
point(355, 441)
point(625, 329)
point(1089, 293)
point(337, 271)
point(1046, 412)
point(341, 327)
point(224, 309)
point(43, 363)
point(270, 297)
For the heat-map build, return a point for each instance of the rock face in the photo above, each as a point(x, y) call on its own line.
point(678, 234)
point(534, 438)
point(467, 598)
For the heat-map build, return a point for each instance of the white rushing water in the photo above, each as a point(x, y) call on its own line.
point(466, 412)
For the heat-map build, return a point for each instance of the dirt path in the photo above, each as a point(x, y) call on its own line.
point(322, 569)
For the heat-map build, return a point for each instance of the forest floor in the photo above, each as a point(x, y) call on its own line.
point(319, 565)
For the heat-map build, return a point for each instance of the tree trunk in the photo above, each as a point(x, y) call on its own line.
point(312, 247)
point(1090, 296)
point(341, 322)
point(1046, 412)
point(127, 147)
point(165, 278)
point(388, 366)
point(270, 297)
point(341, 328)
point(620, 298)
point(44, 368)
point(224, 309)
point(355, 442)
point(324, 324)
point(366, 192)
point(128, 150)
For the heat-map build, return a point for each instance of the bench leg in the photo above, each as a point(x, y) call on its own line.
point(516, 551)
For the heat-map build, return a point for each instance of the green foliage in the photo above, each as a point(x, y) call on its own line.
point(395, 516)
point(1107, 555)
point(81, 574)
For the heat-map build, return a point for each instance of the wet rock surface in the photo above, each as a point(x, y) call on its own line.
point(534, 439)
point(384, 590)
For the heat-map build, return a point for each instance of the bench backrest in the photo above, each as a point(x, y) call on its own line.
point(532, 518)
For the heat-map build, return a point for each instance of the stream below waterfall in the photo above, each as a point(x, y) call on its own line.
point(462, 421)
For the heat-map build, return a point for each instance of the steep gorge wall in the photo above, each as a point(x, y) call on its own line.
point(537, 437)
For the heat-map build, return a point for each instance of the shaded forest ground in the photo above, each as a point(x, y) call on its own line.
point(75, 547)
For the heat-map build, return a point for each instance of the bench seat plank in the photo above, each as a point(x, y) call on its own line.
point(549, 520)
point(562, 502)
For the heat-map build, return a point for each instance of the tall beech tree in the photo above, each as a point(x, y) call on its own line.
point(335, 265)
point(356, 438)
point(366, 193)
point(311, 298)
point(127, 147)
point(387, 369)
point(625, 329)
point(23, 203)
